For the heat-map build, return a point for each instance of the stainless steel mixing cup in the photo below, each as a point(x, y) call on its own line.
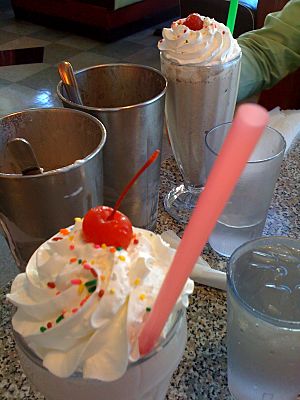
point(129, 100)
point(68, 146)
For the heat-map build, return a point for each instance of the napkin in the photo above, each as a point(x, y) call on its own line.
point(202, 272)
point(287, 122)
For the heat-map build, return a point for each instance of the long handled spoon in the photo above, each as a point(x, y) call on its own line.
point(23, 156)
point(69, 80)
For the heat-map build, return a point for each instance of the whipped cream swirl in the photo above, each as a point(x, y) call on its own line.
point(213, 44)
point(80, 306)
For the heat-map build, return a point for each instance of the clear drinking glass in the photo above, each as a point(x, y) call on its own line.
point(145, 379)
point(263, 320)
point(198, 98)
point(245, 214)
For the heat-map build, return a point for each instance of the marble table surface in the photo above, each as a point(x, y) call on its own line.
point(202, 371)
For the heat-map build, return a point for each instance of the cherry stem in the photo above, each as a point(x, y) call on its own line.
point(151, 160)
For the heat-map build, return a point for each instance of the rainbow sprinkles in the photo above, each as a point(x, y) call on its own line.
point(86, 286)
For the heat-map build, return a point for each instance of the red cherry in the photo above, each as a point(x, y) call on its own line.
point(108, 225)
point(194, 22)
point(98, 227)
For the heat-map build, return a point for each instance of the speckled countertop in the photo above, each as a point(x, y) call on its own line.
point(202, 371)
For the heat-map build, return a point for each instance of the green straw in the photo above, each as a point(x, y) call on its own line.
point(232, 14)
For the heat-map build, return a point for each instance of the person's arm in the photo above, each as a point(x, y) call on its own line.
point(272, 52)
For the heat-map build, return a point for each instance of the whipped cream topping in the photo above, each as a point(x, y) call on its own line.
point(213, 44)
point(80, 306)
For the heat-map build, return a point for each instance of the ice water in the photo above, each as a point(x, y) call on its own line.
point(226, 238)
point(264, 324)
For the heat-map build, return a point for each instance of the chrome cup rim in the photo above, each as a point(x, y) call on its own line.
point(66, 168)
point(113, 109)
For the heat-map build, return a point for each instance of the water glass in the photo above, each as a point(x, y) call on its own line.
point(263, 320)
point(245, 214)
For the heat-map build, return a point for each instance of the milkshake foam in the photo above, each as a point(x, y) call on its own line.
point(212, 44)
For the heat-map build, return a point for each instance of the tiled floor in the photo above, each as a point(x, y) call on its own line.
point(34, 85)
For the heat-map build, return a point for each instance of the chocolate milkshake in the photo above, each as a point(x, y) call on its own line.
point(201, 62)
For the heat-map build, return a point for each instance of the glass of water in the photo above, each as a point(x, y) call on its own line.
point(244, 216)
point(263, 320)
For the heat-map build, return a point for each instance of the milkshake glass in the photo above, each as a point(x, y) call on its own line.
point(146, 379)
point(200, 95)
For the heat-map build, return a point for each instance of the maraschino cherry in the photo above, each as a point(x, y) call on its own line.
point(106, 225)
point(99, 228)
point(193, 22)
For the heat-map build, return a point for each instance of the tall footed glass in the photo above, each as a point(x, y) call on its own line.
point(198, 98)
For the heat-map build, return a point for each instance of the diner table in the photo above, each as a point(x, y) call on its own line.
point(202, 371)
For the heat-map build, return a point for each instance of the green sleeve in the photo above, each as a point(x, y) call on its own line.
point(272, 52)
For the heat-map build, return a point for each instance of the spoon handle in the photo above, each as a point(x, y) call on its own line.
point(23, 156)
point(68, 78)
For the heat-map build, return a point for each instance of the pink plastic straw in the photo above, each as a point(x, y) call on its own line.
point(247, 127)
